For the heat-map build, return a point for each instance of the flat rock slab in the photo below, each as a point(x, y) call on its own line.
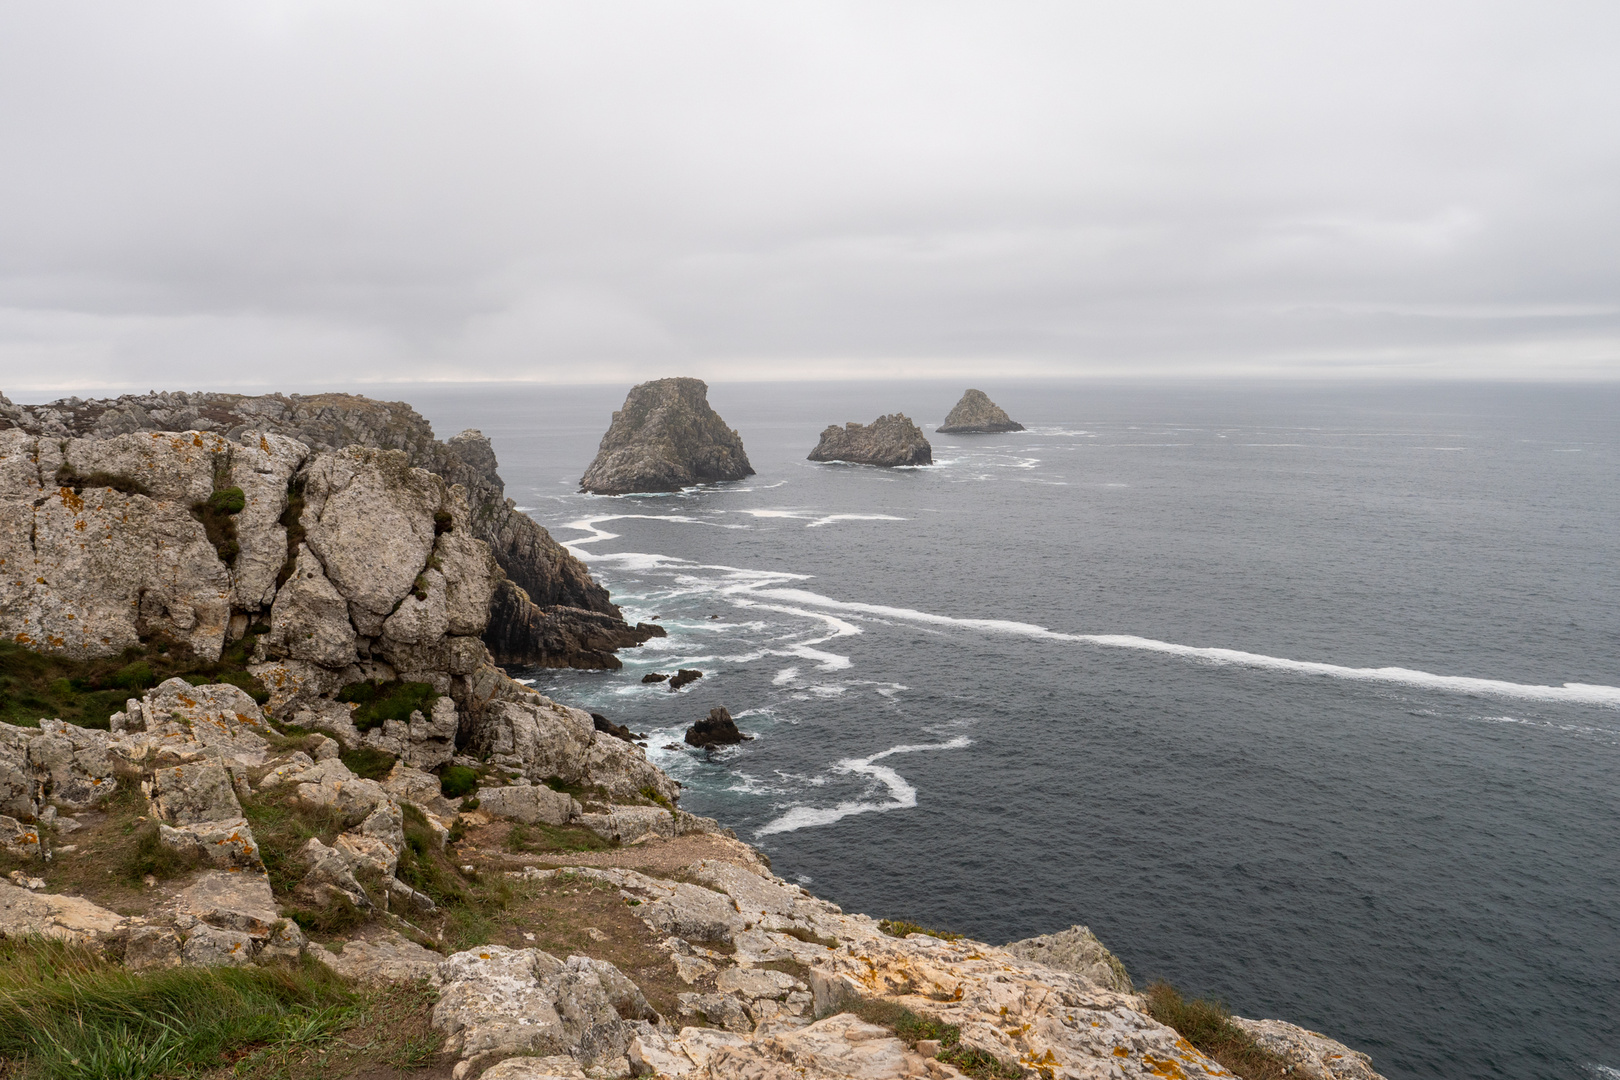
point(66, 918)
point(387, 960)
point(231, 900)
point(531, 804)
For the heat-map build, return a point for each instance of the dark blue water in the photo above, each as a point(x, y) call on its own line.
point(971, 710)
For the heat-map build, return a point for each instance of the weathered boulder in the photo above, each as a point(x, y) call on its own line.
point(977, 414)
point(1309, 1054)
point(529, 804)
point(68, 918)
point(89, 572)
point(370, 519)
point(891, 440)
point(389, 959)
point(717, 729)
point(1078, 950)
point(666, 437)
point(498, 1002)
point(309, 619)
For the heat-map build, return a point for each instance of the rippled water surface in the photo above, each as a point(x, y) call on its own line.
point(1305, 697)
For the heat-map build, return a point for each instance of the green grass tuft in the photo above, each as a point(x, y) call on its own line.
point(368, 762)
point(909, 1027)
point(67, 1012)
point(900, 928)
point(457, 780)
point(394, 700)
point(35, 685)
point(1207, 1024)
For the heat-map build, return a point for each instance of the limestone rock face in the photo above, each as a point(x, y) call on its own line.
point(89, 572)
point(283, 429)
point(977, 414)
point(1078, 950)
point(309, 619)
point(370, 521)
point(665, 438)
point(890, 440)
point(523, 633)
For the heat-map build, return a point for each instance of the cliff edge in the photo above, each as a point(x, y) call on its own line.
point(889, 441)
point(665, 438)
point(551, 613)
point(976, 414)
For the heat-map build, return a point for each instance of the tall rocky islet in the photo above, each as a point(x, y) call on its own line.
point(665, 438)
point(349, 566)
point(976, 414)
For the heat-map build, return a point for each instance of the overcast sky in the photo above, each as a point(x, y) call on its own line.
point(214, 194)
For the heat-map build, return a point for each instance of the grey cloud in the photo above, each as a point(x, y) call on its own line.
point(213, 194)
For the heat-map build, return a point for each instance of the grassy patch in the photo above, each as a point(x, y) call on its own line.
point(394, 700)
point(87, 692)
point(909, 1027)
point(67, 1012)
point(541, 839)
point(368, 762)
point(457, 780)
point(469, 903)
point(148, 854)
point(1207, 1024)
point(218, 516)
point(282, 825)
point(900, 928)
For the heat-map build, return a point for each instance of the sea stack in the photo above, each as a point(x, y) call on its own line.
point(976, 414)
point(889, 440)
point(665, 438)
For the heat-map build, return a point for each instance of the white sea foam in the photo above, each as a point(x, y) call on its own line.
point(1568, 693)
point(748, 588)
point(901, 795)
point(812, 521)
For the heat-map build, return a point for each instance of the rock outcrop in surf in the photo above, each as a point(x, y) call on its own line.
point(976, 414)
point(665, 438)
point(551, 613)
point(889, 440)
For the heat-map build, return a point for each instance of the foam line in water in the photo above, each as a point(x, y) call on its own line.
point(1568, 693)
point(902, 796)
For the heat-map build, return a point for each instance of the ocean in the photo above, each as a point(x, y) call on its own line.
point(1304, 696)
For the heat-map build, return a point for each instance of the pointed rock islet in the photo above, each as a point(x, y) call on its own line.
point(976, 414)
point(665, 438)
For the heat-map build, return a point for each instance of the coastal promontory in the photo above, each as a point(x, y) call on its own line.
point(889, 440)
point(665, 438)
point(976, 414)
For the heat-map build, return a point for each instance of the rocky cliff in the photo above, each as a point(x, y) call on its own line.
point(889, 440)
point(665, 438)
point(552, 614)
point(977, 414)
point(359, 591)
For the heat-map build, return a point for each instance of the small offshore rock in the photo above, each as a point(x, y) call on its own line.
point(654, 676)
point(890, 441)
point(618, 731)
point(976, 414)
point(665, 438)
point(684, 676)
point(718, 729)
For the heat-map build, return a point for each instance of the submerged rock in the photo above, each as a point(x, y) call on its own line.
point(665, 438)
point(718, 729)
point(976, 414)
point(889, 440)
